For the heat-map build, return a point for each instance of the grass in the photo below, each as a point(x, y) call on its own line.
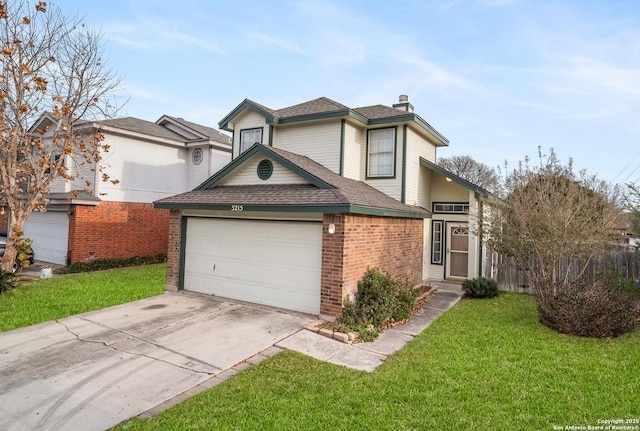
point(484, 365)
point(54, 298)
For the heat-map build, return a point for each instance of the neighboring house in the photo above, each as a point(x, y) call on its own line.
point(315, 194)
point(150, 161)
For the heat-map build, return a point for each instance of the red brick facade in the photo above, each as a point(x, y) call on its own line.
point(392, 244)
point(115, 230)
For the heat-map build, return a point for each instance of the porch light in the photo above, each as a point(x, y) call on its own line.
point(331, 229)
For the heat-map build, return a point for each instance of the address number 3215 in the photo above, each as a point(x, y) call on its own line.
point(237, 208)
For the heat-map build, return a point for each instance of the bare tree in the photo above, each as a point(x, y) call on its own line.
point(553, 221)
point(474, 172)
point(52, 66)
point(632, 206)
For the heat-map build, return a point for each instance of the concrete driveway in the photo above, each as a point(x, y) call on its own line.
point(95, 370)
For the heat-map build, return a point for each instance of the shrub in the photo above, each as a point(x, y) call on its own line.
point(8, 280)
point(379, 300)
point(103, 264)
point(480, 288)
point(599, 309)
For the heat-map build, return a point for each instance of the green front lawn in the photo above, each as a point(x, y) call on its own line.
point(483, 365)
point(58, 297)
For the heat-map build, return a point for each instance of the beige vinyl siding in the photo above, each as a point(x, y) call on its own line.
point(354, 148)
point(447, 191)
point(248, 175)
point(248, 120)
point(417, 182)
point(320, 142)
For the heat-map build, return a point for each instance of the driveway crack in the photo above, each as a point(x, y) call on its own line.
point(133, 337)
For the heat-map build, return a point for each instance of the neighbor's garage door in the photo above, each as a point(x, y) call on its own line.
point(49, 232)
point(267, 262)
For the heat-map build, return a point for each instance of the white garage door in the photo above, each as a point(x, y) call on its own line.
point(267, 262)
point(49, 232)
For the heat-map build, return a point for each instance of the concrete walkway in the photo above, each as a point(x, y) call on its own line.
point(95, 370)
point(369, 356)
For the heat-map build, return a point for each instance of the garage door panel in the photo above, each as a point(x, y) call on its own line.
point(49, 232)
point(267, 262)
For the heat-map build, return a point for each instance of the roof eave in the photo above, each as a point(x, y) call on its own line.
point(479, 191)
point(316, 208)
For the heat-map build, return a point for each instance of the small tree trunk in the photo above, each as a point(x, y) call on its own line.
point(16, 222)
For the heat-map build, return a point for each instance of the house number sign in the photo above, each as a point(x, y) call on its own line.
point(237, 208)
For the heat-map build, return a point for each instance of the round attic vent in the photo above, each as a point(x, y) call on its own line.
point(265, 169)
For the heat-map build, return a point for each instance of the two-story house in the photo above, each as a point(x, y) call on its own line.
point(117, 219)
point(315, 194)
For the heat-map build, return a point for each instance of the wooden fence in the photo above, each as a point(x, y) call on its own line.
point(511, 277)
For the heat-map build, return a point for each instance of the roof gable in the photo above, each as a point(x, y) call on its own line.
point(324, 190)
point(193, 131)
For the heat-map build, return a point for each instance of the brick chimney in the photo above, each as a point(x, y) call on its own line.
point(403, 103)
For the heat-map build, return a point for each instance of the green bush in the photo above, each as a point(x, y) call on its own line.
point(379, 300)
point(104, 264)
point(8, 280)
point(480, 288)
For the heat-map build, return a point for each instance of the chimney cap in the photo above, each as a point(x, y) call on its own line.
point(403, 98)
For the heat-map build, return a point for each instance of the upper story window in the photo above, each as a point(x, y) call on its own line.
point(450, 208)
point(248, 137)
point(381, 153)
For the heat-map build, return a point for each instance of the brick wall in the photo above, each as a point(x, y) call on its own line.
point(392, 244)
point(116, 230)
point(173, 253)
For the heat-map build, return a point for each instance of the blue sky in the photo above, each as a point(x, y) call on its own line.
point(497, 77)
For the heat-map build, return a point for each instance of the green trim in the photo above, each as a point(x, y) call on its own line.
point(479, 191)
point(246, 103)
point(264, 169)
point(311, 117)
point(183, 244)
point(325, 209)
point(342, 129)
point(271, 135)
point(403, 190)
point(265, 151)
point(395, 154)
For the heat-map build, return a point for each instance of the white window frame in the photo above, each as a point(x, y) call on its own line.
point(437, 242)
point(451, 207)
point(381, 153)
point(248, 137)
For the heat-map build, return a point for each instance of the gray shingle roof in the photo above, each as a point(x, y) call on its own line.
point(318, 106)
point(342, 192)
point(209, 132)
point(142, 126)
point(380, 111)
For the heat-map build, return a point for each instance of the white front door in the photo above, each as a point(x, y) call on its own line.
point(457, 250)
point(276, 263)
